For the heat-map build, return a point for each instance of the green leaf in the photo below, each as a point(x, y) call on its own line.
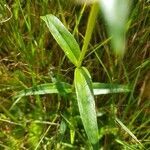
point(86, 104)
point(63, 88)
point(107, 88)
point(63, 37)
point(47, 88)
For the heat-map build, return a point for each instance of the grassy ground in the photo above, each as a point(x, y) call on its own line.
point(29, 56)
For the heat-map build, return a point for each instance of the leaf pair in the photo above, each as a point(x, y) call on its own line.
point(55, 88)
point(83, 83)
point(84, 87)
point(63, 37)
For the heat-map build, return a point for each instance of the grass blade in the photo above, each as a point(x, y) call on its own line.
point(86, 104)
point(63, 37)
point(128, 131)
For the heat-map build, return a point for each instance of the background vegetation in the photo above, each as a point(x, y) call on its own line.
point(29, 56)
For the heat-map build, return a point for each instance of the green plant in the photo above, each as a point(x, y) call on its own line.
point(45, 113)
point(85, 89)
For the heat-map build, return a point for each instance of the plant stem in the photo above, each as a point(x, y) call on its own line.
point(89, 31)
point(79, 19)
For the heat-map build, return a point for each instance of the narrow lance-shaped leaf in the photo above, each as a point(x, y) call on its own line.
point(62, 87)
point(63, 37)
point(47, 88)
point(108, 88)
point(86, 104)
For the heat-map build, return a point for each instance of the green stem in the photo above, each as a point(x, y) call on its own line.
point(79, 19)
point(89, 31)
